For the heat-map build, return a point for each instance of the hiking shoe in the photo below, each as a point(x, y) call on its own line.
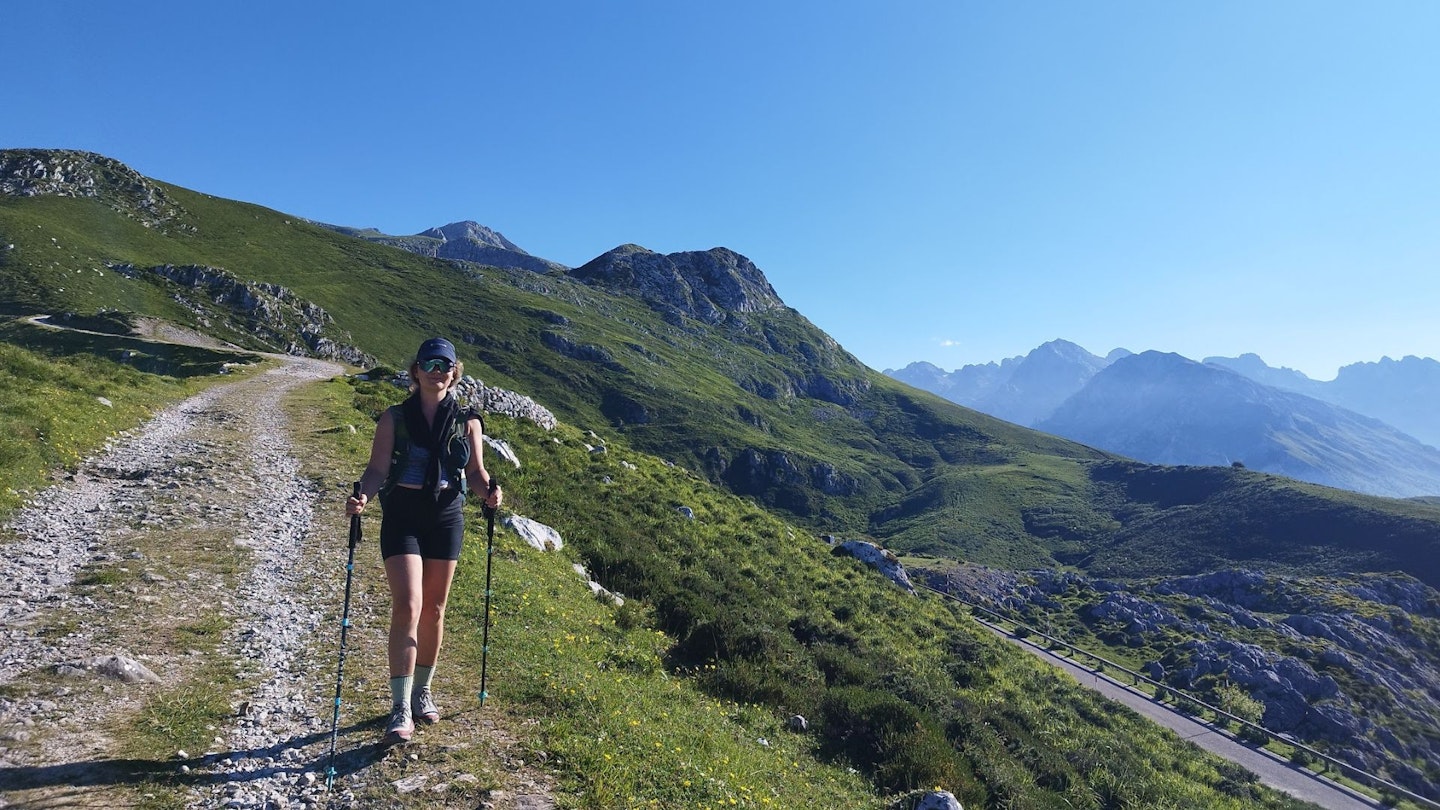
point(424, 706)
point(400, 727)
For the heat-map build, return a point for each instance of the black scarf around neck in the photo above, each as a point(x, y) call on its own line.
point(433, 436)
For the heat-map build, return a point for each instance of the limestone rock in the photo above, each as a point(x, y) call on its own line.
point(115, 667)
point(536, 534)
point(711, 286)
point(938, 800)
point(883, 560)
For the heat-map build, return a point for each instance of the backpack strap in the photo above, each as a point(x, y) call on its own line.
point(460, 436)
point(464, 417)
point(399, 450)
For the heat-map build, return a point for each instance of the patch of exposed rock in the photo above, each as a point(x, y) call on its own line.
point(67, 173)
point(881, 559)
point(270, 312)
point(710, 286)
point(1348, 665)
point(753, 471)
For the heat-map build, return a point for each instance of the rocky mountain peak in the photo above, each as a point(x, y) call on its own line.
point(1063, 348)
point(1416, 367)
point(71, 173)
point(474, 232)
point(919, 368)
point(1163, 408)
point(461, 241)
point(707, 285)
point(1252, 366)
point(1020, 389)
point(1058, 354)
point(1401, 392)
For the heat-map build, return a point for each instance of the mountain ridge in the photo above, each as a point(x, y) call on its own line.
point(1165, 409)
point(1378, 457)
point(763, 403)
point(760, 400)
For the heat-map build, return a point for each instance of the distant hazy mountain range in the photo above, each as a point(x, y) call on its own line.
point(1373, 429)
point(1403, 393)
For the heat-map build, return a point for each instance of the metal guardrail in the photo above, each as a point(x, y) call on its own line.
point(1161, 690)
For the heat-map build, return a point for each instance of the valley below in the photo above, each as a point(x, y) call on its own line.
point(1347, 665)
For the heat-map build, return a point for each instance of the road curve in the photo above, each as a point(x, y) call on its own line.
point(1272, 771)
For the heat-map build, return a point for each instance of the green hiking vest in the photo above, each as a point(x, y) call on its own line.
point(455, 454)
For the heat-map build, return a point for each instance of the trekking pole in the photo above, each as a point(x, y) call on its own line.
point(344, 631)
point(489, 556)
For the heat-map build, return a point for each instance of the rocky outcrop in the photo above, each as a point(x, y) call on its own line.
point(65, 173)
point(535, 534)
point(459, 241)
point(881, 559)
point(473, 242)
point(843, 391)
point(1348, 665)
point(753, 471)
point(585, 352)
point(600, 591)
point(710, 286)
point(1287, 686)
point(488, 399)
point(269, 312)
point(1135, 614)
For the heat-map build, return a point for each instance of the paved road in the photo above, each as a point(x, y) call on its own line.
point(1272, 771)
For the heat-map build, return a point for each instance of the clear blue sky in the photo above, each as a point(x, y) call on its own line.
point(953, 181)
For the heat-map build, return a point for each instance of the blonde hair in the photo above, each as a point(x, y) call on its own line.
point(458, 369)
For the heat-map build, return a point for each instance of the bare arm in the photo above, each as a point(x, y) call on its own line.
point(475, 473)
point(379, 466)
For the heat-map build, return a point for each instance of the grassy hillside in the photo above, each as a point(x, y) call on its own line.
point(763, 403)
point(734, 621)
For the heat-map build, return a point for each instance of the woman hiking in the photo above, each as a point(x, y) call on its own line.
point(425, 451)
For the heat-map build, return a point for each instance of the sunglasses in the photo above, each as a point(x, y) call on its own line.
point(437, 364)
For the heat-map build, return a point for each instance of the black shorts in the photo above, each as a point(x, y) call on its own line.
point(414, 522)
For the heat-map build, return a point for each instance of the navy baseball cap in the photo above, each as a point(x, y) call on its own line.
point(433, 348)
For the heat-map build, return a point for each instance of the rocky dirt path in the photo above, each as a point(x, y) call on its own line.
point(191, 561)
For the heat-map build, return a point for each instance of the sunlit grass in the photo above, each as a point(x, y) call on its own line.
point(627, 732)
point(53, 403)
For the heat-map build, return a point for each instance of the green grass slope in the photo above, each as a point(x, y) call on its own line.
point(763, 402)
point(735, 620)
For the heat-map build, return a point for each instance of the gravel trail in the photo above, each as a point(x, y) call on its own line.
point(194, 554)
point(201, 512)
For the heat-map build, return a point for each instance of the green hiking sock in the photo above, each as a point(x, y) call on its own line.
point(400, 689)
point(423, 674)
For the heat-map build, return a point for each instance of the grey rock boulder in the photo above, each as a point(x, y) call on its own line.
point(881, 559)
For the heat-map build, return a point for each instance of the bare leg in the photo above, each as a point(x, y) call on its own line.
point(403, 572)
point(434, 593)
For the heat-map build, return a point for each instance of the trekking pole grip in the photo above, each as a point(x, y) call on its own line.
point(485, 507)
point(355, 521)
